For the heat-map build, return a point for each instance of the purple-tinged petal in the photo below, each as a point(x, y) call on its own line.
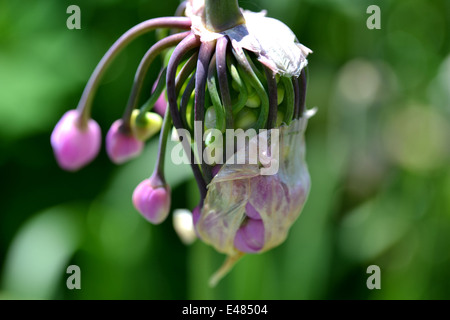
point(250, 236)
point(251, 212)
point(196, 214)
point(215, 170)
point(75, 147)
point(122, 146)
point(195, 218)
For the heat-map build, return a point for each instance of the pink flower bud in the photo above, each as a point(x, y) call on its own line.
point(250, 236)
point(152, 200)
point(74, 147)
point(161, 104)
point(195, 217)
point(122, 146)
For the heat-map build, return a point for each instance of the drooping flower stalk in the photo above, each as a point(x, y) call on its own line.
point(213, 91)
point(204, 57)
point(84, 106)
point(273, 98)
point(188, 43)
point(221, 64)
point(234, 69)
point(290, 99)
point(143, 67)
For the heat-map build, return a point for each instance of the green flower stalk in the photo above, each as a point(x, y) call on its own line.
point(226, 71)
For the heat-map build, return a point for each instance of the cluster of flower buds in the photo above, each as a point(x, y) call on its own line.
point(227, 69)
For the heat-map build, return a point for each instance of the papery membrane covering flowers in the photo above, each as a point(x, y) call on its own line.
point(230, 69)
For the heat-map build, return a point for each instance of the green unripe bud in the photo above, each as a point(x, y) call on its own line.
point(210, 118)
point(144, 126)
point(245, 119)
point(253, 100)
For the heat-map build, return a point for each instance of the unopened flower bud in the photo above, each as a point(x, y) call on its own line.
point(74, 147)
point(152, 200)
point(122, 146)
point(253, 101)
point(280, 94)
point(183, 225)
point(144, 127)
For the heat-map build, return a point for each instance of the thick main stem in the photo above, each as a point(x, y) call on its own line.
point(221, 15)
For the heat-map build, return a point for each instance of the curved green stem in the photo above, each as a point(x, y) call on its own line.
point(183, 75)
point(148, 105)
point(249, 75)
point(255, 68)
point(184, 101)
point(273, 98)
point(201, 74)
point(290, 100)
point(190, 42)
point(165, 130)
point(243, 93)
point(185, 72)
point(214, 94)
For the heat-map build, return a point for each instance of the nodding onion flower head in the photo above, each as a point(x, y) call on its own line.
point(226, 69)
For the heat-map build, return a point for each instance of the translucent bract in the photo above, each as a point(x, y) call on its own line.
point(278, 198)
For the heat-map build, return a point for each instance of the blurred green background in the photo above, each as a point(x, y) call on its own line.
point(378, 151)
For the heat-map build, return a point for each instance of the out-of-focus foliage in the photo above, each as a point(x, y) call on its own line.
point(378, 151)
